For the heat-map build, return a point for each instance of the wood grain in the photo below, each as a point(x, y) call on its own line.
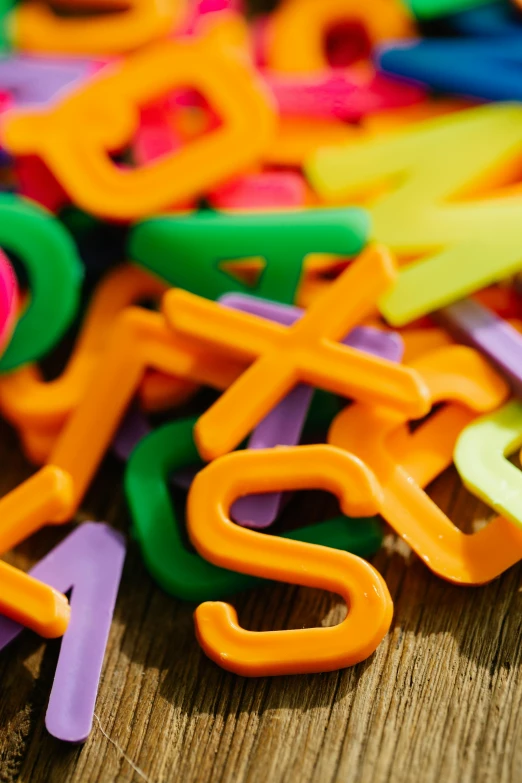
point(439, 700)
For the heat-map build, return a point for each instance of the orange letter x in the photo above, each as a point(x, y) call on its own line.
point(307, 352)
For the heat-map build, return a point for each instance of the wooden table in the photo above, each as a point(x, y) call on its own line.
point(438, 701)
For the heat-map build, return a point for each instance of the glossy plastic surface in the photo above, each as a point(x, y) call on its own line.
point(89, 560)
point(9, 300)
point(220, 244)
point(40, 408)
point(481, 68)
point(308, 351)
point(481, 459)
point(223, 543)
point(55, 275)
point(31, 603)
point(139, 339)
point(179, 571)
point(35, 27)
point(77, 133)
point(44, 497)
point(298, 29)
point(475, 325)
point(284, 424)
point(435, 208)
point(455, 373)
